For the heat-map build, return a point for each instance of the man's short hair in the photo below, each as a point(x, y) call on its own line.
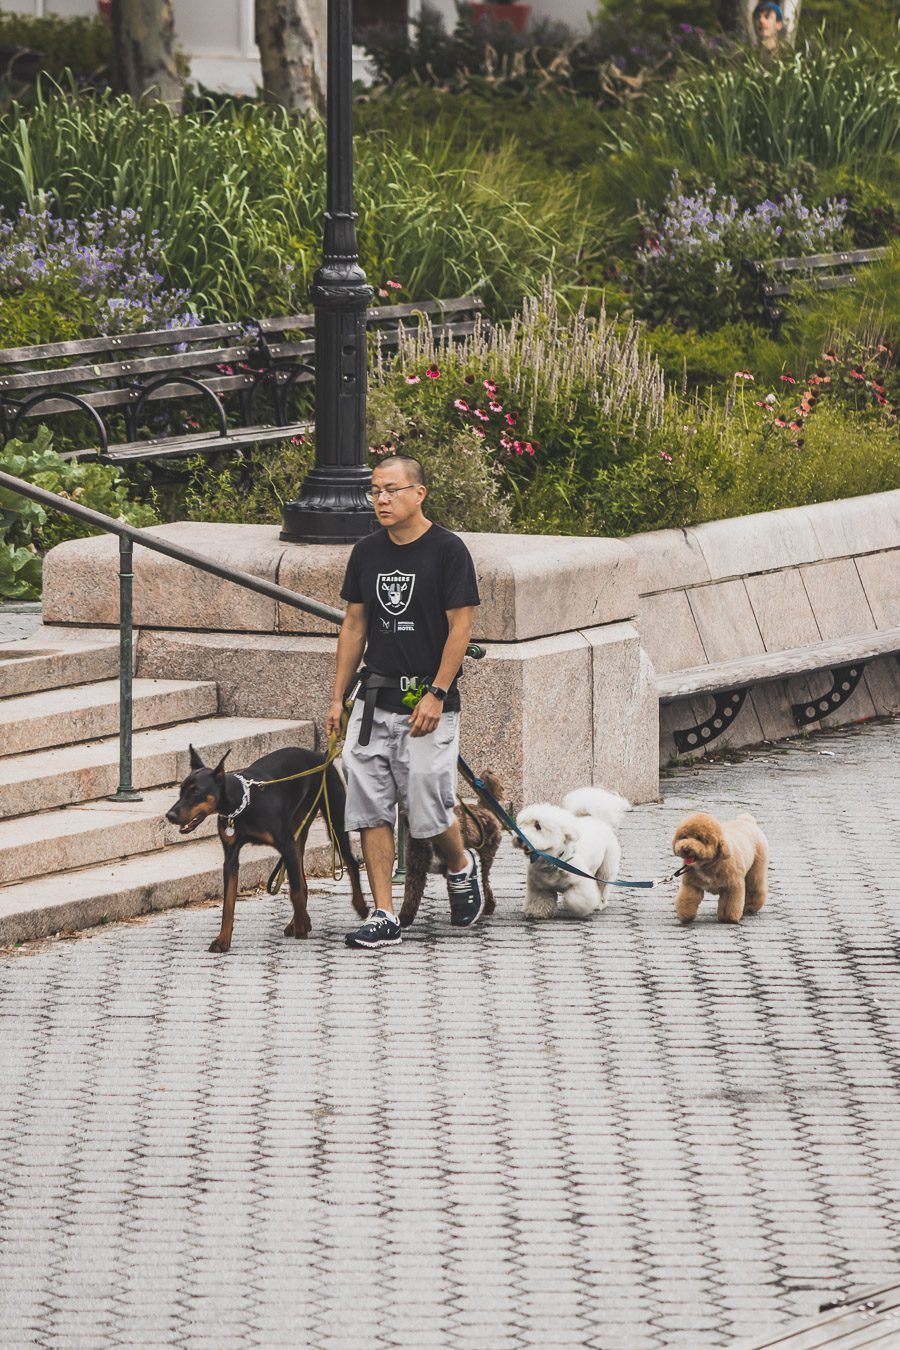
point(414, 467)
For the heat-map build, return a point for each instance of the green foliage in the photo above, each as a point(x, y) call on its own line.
point(250, 488)
point(464, 475)
point(237, 195)
point(696, 360)
point(27, 530)
point(81, 45)
point(828, 106)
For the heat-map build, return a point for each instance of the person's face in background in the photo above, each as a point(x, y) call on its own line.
point(768, 27)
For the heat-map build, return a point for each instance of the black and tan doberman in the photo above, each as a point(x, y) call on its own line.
point(251, 814)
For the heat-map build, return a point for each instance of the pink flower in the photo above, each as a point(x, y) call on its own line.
point(495, 407)
point(788, 379)
point(433, 373)
point(857, 375)
point(796, 426)
point(780, 422)
point(476, 431)
point(667, 458)
point(511, 419)
point(829, 356)
point(461, 404)
point(298, 440)
point(481, 414)
point(394, 285)
point(529, 448)
point(490, 387)
point(743, 375)
point(518, 447)
point(382, 292)
point(413, 379)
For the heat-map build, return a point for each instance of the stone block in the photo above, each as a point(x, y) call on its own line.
point(757, 543)
point(880, 577)
point(837, 598)
point(782, 610)
point(669, 632)
point(625, 714)
point(855, 525)
point(725, 621)
point(81, 580)
point(533, 712)
point(668, 559)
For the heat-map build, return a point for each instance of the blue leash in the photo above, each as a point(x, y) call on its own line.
point(535, 854)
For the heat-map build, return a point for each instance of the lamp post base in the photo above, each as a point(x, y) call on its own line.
point(333, 508)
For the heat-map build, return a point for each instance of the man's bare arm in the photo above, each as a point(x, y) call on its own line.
point(350, 648)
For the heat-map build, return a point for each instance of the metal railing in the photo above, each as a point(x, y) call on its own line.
point(128, 536)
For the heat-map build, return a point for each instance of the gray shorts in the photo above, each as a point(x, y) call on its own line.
point(419, 772)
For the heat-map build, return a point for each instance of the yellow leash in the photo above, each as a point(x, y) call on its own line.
point(335, 741)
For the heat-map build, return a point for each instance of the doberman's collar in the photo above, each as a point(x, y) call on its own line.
point(230, 816)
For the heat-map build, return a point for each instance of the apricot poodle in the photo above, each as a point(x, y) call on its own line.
point(726, 858)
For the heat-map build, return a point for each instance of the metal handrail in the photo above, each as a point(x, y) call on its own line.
point(129, 535)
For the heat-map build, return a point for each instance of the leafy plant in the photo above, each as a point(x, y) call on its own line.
point(100, 272)
point(690, 267)
point(27, 530)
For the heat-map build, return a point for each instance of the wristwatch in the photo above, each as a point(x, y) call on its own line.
point(439, 694)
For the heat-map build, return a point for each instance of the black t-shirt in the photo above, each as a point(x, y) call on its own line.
point(407, 590)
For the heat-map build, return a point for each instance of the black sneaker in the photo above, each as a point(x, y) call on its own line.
point(466, 900)
point(379, 930)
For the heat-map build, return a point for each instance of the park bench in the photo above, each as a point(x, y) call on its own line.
point(871, 1319)
point(242, 375)
point(825, 271)
point(729, 682)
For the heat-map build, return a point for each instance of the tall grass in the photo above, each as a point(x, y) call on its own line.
point(237, 196)
point(826, 106)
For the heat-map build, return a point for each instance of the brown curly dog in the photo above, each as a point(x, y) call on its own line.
point(727, 858)
point(481, 831)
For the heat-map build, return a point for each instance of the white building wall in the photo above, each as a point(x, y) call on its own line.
point(217, 35)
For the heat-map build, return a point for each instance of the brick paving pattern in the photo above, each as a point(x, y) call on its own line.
point(612, 1134)
point(18, 621)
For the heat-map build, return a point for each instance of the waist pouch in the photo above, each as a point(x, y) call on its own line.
point(369, 687)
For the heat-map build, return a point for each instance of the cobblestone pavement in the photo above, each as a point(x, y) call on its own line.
point(613, 1134)
point(18, 621)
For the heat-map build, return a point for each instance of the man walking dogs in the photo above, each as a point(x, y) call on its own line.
point(410, 590)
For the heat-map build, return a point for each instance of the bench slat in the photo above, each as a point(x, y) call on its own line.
point(120, 398)
point(821, 284)
point(172, 447)
point(148, 365)
point(157, 337)
point(817, 260)
point(776, 665)
point(287, 323)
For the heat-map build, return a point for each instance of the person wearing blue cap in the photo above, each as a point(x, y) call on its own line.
point(768, 24)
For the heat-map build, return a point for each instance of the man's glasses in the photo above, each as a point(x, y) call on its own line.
point(377, 493)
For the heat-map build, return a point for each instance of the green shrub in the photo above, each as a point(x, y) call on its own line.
point(27, 530)
point(696, 360)
point(81, 45)
point(828, 106)
point(237, 195)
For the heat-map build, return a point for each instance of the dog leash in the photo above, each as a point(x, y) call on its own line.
point(535, 854)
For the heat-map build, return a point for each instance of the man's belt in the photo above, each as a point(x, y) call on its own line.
point(371, 684)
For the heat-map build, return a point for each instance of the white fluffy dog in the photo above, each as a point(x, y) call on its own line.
point(580, 832)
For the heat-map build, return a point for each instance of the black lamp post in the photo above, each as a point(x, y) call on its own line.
point(334, 506)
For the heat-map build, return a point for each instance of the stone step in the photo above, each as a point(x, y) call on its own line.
point(93, 833)
point(88, 834)
point(45, 779)
point(90, 712)
point(178, 875)
point(57, 658)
